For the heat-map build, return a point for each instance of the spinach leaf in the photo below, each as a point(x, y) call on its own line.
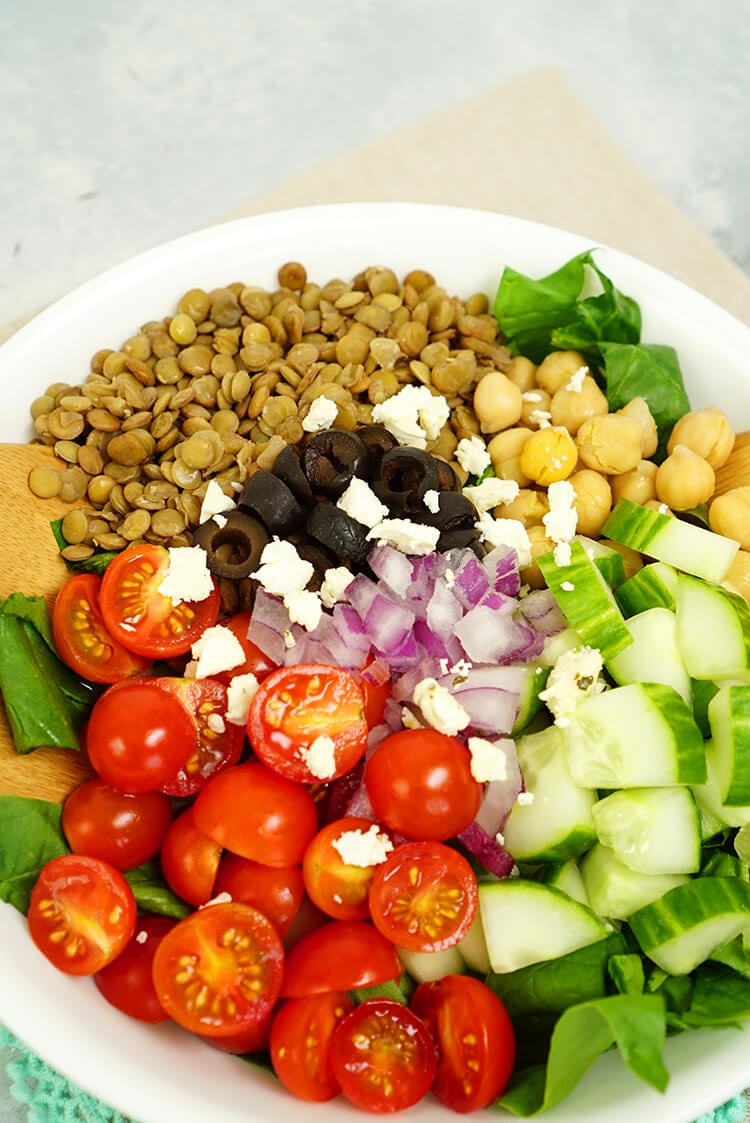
point(400, 990)
point(152, 894)
point(721, 997)
point(627, 973)
point(635, 1023)
point(650, 371)
point(30, 835)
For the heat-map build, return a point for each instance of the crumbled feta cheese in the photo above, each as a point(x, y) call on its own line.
point(432, 500)
point(506, 532)
point(215, 722)
point(220, 520)
point(404, 535)
point(575, 382)
point(414, 415)
point(488, 760)
point(220, 899)
point(304, 607)
point(240, 693)
point(336, 581)
point(532, 396)
point(141, 936)
point(187, 577)
point(439, 708)
point(217, 650)
point(281, 569)
point(471, 453)
point(461, 669)
point(541, 417)
point(215, 502)
point(561, 520)
point(574, 676)
point(363, 848)
point(525, 799)
point(360, 502)
point(450, 578)
point(321, 414)
point(500, 838)
point(567, 586)
point(561, 553)
point(490, 492)
point(320, 757)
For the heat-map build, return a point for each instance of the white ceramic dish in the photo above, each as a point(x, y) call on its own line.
point(161, 1075)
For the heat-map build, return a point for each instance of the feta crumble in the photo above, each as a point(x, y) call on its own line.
point(491, 492)
point(541, 417)
point(216, 723)
point(320, 757)
point(561, 520)
point(404, 535)
point(439, 707)
point(281, 569)
point(414, 415)
point(506, 532)
point(304, 607)
point(488, 760)
point(574, 676)
point(575, 382)
point(360, 502)
point(336, 581)
point(363, 848)
point(525, 799)
point(187, 577)
point(240, 693)
point(215, 502)
point(217, 650)
point(472, 455)
point(432, 500)
point(321, 415)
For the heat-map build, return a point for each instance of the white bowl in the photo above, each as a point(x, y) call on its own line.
point(160, 1074)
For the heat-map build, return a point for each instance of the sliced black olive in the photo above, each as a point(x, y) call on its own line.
point(269, 499)
point(288, 468)
point(454, 512)
point(233, 549)
point(405, 474)
point(331, 459)
point(343, 535)
point(458, 538)
point(447, 478)
point(378, 440)
point(320, 557)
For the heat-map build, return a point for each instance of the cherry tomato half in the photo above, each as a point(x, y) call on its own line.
point(257, 814)
point(83, 640)
point(219, 742)
point(143, 619)
point(218, 971)
point(127, 981)
point(340, 955)
point(190, 860)
point(277, 892)
point(125, 829)
point(300, 1044)
point(475, 1040)
point(420, 784)
point(81, 913)
point(302, 708)
point(337, 887)
point(139, 736)
point(383, 1056)
point(424, 896)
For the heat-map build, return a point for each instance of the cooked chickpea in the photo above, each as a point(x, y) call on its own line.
point(684, 479)
point(571, 407)
point(638, 485)
point(497, 402)
point(729, 514)
point(531, 575)
point(505, 450)
point(529, 507)
point(535, 412)
point(549, 455)
point(558, 368)
point(738, 574)
point(610, 444)
point(593, 500)
point(638, 409)
point(707, 432)
point(522, 372)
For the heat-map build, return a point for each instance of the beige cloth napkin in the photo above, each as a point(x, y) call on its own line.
point(529, 148)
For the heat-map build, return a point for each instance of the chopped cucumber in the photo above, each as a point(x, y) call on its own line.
point(614, 890)
point(687, 547)
point(651, 830)
point(557, 645)
point(639, 735)
point(529, 703)
point(556, 823)
point(653, 655)
point(708, 797)
point(426, 966)
point(682, 929)
point(473, 947)
point(566, 876)
point(729, 718)
point(702, 691)
point(713, 631)
point(654, 586)
point(587, 600)
point(607, 560)
point(528, 922)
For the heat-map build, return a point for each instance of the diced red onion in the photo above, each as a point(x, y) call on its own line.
point(500, 795)
point(388, 624)
point(502, 566)
point(392, 567)
point(491, 636)
point(377, 671)
point(542, 611)
point(487, 850)
point(443, 611)
point(471, 580)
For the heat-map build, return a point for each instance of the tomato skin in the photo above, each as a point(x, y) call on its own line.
point(383, 1056)
point(300, 1044)
point(277, 892)
point(294, 706)
point(257, 814)
point(339, 889)
point(420, 784)
point(81, 913)
point(250, 1040)
point(256, 661)
point(376, 696)
point(424, 896)
point(236, 968)
point(339, 955)
point(142, 618)
point(475, 1040)
point(190, 860)
point(127, 981)
point(214, 749)
point(138, 736)
point(83, 640)
point(125, 829)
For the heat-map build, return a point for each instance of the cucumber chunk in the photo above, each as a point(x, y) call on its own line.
point(473, 947)
point(729, 719)
point(681, 930)
point(528, 922)
point(426, 966)
point(557, 823)
point(653, 655)
point(529, 702)
point(714, 813)
point(566, 876)
point(651, 830)
point(587, 600)
point(634, 736)
point(615, 891)
point(713, 631)
point(685, 546)
point(607, 560)
point(654, 586)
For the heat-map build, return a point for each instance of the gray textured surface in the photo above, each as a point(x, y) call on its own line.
point(122, 124)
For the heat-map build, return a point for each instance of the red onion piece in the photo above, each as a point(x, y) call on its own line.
point(487, 850)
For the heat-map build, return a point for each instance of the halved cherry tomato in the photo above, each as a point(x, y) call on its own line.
point(142, 618)
point(127, 981)
point(339, 888)
point(300, 1044)
point(82, 638)
point(257, 814)
point(81, 913)
point(306, 707)
point(420, 784)
point(277, 892)
point(383, 1056)
point(376, 696)
point(190, 860)
point(139, 736)
point(218, 971)
point(256, 661)
point(475, 1040)
point(219, 742)
point(250, 1040)
point(125, 829)
point(424, 896)
point(340, 955)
